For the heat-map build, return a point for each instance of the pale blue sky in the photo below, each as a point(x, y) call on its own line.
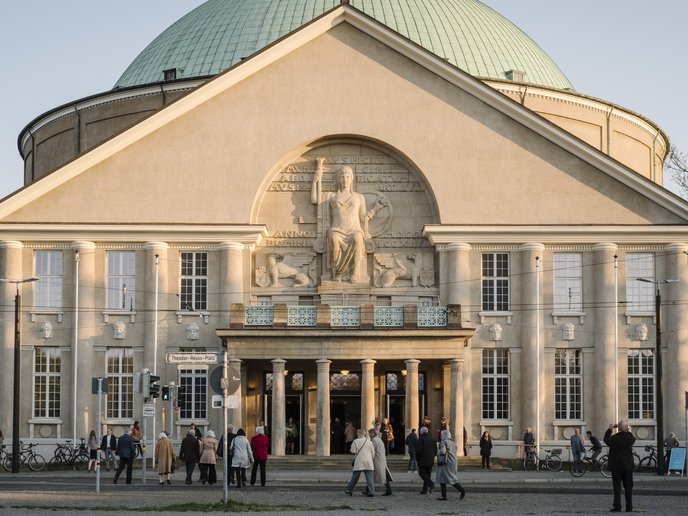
point(629, 52)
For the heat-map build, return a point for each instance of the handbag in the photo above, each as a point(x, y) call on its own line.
point(359, 451)
point(442, 457)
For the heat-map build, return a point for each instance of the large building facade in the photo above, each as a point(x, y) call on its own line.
point(368, 225)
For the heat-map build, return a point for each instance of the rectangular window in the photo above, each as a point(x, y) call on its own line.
point(641, 384)
point(46, 382)
point(568, 282)
point(568, 380)
point(194, 286)
point(495, 282)
point(194, 393)
point(120, 375)
point(121, 280)
point(49, 285)
point(640, 295)
point(495, 384)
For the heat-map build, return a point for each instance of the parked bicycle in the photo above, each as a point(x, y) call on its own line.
point(588, 464)
point(552, 460)
point(649, 463)
point(27, 457)
point(68, 455)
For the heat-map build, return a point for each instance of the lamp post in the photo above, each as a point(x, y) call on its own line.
point(658, 371)
point(17, 365)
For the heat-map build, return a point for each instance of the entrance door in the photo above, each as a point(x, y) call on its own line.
point(346, 408)
point(293, 408)
point(395, 415)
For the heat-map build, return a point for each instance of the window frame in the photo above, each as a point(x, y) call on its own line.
point(493, 284)
point(193, 287)
point(119, 402)
point(496, 384)
point(126, 280)
point(50, 380)
point(567, 275)
point(50, 283)
point(571, 396)
point(196, 381)
point(640, 295)
point(640, 381)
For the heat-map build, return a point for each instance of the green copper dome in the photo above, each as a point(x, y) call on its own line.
point(467, 33)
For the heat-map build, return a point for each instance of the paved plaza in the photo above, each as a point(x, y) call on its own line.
point(322, 492)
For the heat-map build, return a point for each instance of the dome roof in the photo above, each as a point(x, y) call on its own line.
point(469, 34)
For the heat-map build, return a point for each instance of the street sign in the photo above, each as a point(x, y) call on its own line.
point(94, 385)
point(149, 410)
point(233, 380)
point(677, 461)
point(191, 358)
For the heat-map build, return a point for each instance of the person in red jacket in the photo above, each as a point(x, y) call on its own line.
point(260, 444)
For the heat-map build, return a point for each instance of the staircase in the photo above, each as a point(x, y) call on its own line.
point(395, 463)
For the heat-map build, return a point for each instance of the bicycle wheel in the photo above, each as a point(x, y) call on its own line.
point(636, 461)
point(7, 463)
point(648, 464)
point(578, 469)
point(603, 463)
point(81, 461)
point(529, 463)
point(553, 463)
point(55, 463)
point(36, 462)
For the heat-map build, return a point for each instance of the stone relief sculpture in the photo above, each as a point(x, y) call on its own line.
point(390, 267)
point(569, 331)
point(120, 330)
point(343, 216)
point(193, 331)
point(496, 332)
point(46, 330)
point(641, 332)
point(298, 266)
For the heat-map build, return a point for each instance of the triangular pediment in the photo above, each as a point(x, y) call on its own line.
point(209, 157)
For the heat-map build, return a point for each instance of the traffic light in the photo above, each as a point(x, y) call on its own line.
point(145, 383)
point(181, 396)
point(165, 393)
point(153, 387)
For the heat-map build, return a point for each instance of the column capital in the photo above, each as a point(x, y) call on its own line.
point(533, 247)
point(412, 363)
point(368, 364)
point(82, 245)
point(605, 246)
point(457, 246)
point(456, 364)
point(278, 364)
point(11, 244)
point(677, 247)
point(153, 246)
point(235, 360)
point(231, 246)
point(322, 362)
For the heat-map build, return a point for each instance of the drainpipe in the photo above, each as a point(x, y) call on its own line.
point(162, 92)
point(609, 131)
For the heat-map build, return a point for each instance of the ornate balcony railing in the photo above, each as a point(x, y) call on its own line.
point(302, 315)
point(389, 316)
point(432, 316)
point(259, 315)
point(346, 316)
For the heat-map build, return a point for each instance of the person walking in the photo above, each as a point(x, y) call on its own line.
point(92, 450)
point(446, 466)
point(349, 436)
point(386, 434)
point(164, 456)
point(136, 436)
point(596, 447)
point(292, 435)
point(190, 453)
point(411, 440)
point(125, 451)
point(242, 456)
point(208, 458)
point(364, 461)
point(577, 450)
point(260, 444)
point(381, 474)
point(621, 463)
point(108, 445)
point(486, 449)
point(426, 449)
point(528, 441)
point(220, 449)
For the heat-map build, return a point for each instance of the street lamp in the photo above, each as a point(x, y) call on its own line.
point(17, 364)
point(658, 371)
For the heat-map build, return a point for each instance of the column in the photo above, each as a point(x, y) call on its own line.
point(86, 404)
point(279, 420)
point(322, 409)
point(603, 329)
point(152, 357)
point(674, 327)
point(532, 355)
point(235, 415)
point(456, 421)
point(411, 415)
point(458, 274)
point(367, 393)
point(11, 268)
point(231, 277)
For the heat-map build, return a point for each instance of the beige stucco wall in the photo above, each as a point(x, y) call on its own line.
point(212, 164)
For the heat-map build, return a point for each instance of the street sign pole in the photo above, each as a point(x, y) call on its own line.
point(100, 431)
point(225, 457)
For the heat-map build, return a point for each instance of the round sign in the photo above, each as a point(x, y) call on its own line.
point(233, 380)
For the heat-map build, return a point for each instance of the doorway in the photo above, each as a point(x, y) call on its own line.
point(293, 408)
point(345, 407)
point(395, 414)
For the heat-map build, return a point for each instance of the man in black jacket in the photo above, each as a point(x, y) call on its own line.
point(190, 453)
point(426, 449)
point(125, 450)
point(621, 463)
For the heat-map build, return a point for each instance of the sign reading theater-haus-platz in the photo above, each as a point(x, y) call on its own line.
point(191, 358)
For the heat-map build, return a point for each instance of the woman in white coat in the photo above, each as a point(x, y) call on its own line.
point(381, 475)
point(446, 465)
point(363, 462)
point(242, 456)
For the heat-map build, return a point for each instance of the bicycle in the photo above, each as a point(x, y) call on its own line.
point(66, 454)
point(27, 456)
point(552, 460)
point(649, 463)
point(588, 464)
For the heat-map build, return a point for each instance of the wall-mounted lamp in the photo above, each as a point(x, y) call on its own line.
point(344, 372)
point(404, 372)
point(286, 372)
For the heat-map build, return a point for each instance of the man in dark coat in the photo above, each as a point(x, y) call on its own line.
point(337, 436)
point(621, 463)
point(125, 450)
point(230, 438)
point(426, 450)
point(190, 453)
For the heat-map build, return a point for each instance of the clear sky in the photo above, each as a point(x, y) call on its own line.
point(629, 52)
